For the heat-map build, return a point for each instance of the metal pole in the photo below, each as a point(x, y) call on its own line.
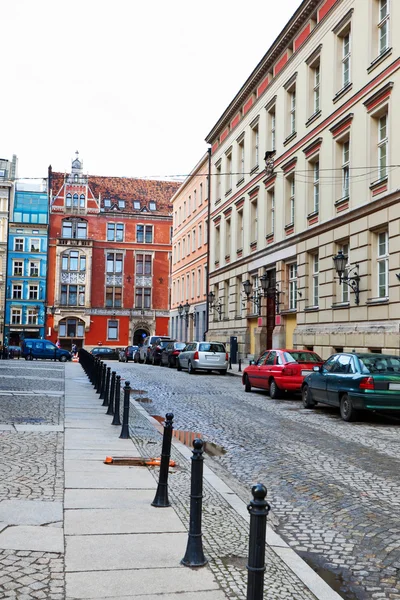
point(99, 375)
point(125, 417)
point(230, 362)
point(103, 381)
point(194, 556)
point(110, 410)
point(161, 497)
point(116, 420)
point(258, 509)
point(240, 365)
point(107, 387)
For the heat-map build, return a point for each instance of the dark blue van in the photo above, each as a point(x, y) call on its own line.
point(33, 348)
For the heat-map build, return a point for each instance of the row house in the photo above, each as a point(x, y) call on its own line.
point(8, 172)
point(27, 263)
point(305, 180)
point(188, 314)
point(109, 257)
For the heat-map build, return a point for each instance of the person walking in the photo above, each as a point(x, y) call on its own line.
point(74, 349)
point(58, 344)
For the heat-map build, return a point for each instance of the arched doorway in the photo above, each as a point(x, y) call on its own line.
point(71, 331)
point(139, 335)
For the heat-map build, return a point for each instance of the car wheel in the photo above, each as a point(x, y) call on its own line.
point(347, 411)
point(274, 391)
point(63, 358)
point(178, 366)
point(306, 397)
point(30, 357)
point(247, 386)
point(222, 371)
point(191, 369)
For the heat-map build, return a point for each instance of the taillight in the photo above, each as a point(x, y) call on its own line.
point(175, 353)
point(287, 371)
point(226, 356)
point(367, 383)
point(196, 356)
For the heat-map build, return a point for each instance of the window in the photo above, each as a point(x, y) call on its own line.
point(290, 200)
point(383, 264)
point(239, 230)
point(346, 169)
point(34, 245)
point(382, 146)
point(239, 298)
point(74, 229)
point(121, 203)
point(75, 200)
point(18, 266)
point(271, 210)
point(198, 282)
point(345, 288)
point(184, 210)
point(143, 264)
point(200, 239)
point(240, 158)
point(193, 240)
point(183, 247)
point(68, 201)
point(82, 201)
point(229, 172)
point(217, 243)
point(19, 244)
point(72, 295)
point(115, 232)
point(144, 234)
point(383, 25)
point(178, 254)
point(188, 244)
point(16, 316)
point(253, 221)
point(194, 199)
point(256, 294)
point(71, 328)
point(136, 204)
point(315, 273)
point(152, 205)
point(33, 292)
point(227, 237)
point(201, 194)
point(143, 297)
point(112, 330)
point(32, 317)
point(292, 286)
point(17, 291)
point(113, 296)
point(292, 111)
point(193, 284)
point(33, 268)
point(114, 262)
point(73, 261)
point(316, 88)
point(316, 186)
point(107, 202)
point(218, 180)
point(346, 54)
point(255, 142)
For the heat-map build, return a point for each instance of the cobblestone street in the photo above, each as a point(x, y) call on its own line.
point(31, 468)
point(333, 486)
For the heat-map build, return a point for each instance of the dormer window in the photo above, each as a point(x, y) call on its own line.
point(136, 204)
point(107, 202)
point(121, 203)
point(152, 206)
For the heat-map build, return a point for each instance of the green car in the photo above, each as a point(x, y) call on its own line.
point(353, 382)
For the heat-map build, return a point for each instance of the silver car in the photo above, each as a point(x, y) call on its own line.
point(203, 356)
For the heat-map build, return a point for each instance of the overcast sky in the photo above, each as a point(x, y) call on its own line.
point(135, 86)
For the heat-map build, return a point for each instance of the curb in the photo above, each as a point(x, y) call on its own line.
point(316, 585)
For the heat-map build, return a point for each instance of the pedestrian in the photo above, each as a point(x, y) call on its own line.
point(74, 349)
point(58, 344)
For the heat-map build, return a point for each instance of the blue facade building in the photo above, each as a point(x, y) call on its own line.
point(25, 313)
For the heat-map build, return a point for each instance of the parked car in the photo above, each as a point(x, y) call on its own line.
point(127, 354)
point(354, 382)
point(34, 348)
point(144, 350)
point(14, 351)
point(280, 371)
point(155, 351)
point(170, 353)
point(105, 353)
point(207, 356)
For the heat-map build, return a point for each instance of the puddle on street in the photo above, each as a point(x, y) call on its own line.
point(333, 578)
point(188, 437)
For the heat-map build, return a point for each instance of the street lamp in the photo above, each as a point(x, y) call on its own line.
point(212, 305)
point(183, 311)
point(267, 290)
point(348, 276)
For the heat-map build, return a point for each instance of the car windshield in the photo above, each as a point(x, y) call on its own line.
point(381, 363)
point(164, 343)
point(180, 345)
point(302, 357)
point(211, 347)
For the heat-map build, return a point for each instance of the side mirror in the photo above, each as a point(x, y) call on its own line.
point(251, 362)
point(316, 369)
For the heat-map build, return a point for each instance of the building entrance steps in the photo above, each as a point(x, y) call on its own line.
point(117, 545)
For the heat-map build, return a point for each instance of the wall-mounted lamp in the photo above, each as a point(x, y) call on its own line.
point(183, 311)
point(212, 305)
point(348, 276)
point(267, 291)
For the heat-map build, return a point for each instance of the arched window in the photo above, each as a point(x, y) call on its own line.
point(82, 201)
point(75, 198)
point(68, 201)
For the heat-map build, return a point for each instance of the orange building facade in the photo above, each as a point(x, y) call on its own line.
point(188, 315)
point(109, 258)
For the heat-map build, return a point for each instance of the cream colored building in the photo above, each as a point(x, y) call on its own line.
point(7, 176)
point(189, 256)
point(322, 102)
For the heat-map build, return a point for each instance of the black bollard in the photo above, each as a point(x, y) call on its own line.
point(258, 509)
point(103, 381)
point(99, 376)
point(125, 417)
point(194, 556)
point(240, 365)
point(107, 387)
point(96, 373)
point(116, 420)
point(161, 497)
point(230, 363)
point(110, 410)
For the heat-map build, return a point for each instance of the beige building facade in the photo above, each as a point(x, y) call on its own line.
point(188, 314)
point(320, 107)
point(7, 177)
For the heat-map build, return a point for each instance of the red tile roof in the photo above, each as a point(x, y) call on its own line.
point(128, 189)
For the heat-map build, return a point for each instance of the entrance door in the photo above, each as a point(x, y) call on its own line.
point(139, 336)
point(270, 318)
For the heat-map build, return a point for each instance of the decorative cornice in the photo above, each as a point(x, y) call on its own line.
point(313, 147)
point(309, 61)
point(289, 166)
point(289, 83)
point(379, 96)
point(341, 125)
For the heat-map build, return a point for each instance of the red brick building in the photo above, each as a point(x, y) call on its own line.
point(109, 258)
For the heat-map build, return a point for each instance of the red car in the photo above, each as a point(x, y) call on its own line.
point(280, 371)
